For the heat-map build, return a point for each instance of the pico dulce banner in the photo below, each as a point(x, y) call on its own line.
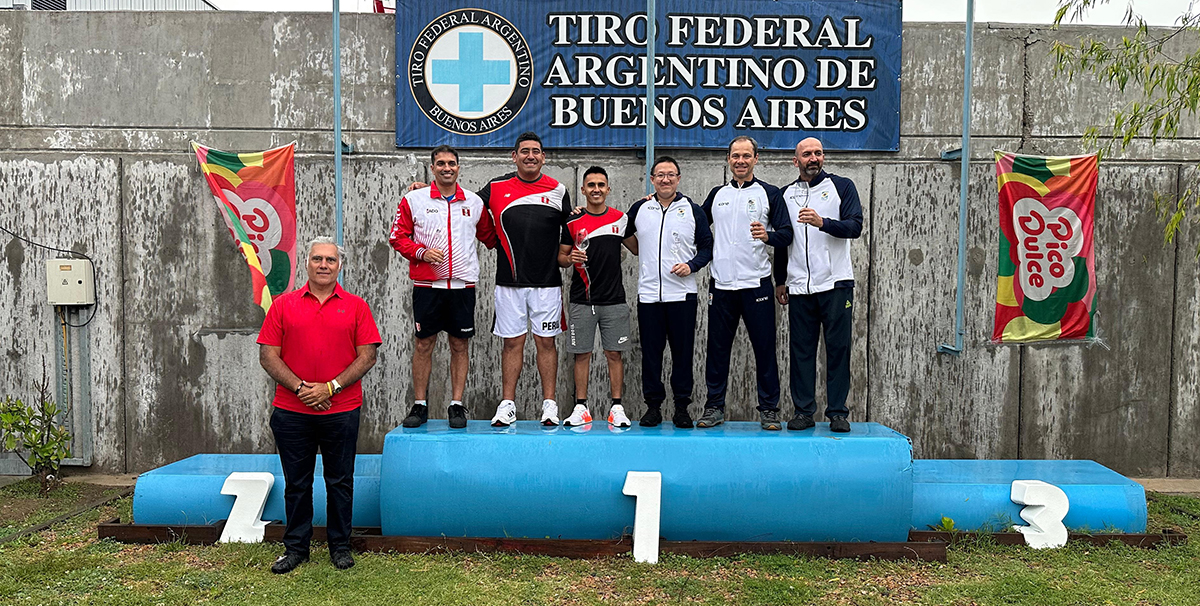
point(1046, 289)
point(256, 195)
point(477, 73)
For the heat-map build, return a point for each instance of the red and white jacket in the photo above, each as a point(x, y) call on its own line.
point(424, 220)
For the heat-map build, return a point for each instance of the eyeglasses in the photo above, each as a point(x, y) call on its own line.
point(665, 175)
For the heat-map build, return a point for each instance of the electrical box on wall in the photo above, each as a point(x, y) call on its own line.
point(70, 282)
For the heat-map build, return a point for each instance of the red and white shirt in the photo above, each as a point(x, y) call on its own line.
point(425, 219)
point(598, 282)
point(531, 219)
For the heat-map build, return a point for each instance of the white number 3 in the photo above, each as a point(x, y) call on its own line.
point(1045, 507)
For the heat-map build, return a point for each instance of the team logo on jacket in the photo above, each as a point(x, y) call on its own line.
point(466, 212)
point(470, 71)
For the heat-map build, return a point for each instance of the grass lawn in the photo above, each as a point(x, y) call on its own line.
point(68, 565)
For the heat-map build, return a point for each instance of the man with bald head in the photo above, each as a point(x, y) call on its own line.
point(815, 280)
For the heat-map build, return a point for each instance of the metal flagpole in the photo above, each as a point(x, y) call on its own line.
point(337, 118)
point(650, 104)
point(963, 182)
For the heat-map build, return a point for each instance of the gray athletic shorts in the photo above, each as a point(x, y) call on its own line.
point(612, 320)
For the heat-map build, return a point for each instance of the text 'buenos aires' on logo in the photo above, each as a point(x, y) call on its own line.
point(470, 71)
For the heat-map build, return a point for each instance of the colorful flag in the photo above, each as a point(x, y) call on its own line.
point(1046, 289)
point(256, 195)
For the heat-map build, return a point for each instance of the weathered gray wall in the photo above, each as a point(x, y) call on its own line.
point(96, 111)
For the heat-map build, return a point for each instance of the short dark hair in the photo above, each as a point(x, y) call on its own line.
point(753, 143)
point(664, 160)
point(595, 170)
point(442, 149)
point(527, 136)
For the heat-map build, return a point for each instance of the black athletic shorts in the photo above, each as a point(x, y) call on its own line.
point(444, 309)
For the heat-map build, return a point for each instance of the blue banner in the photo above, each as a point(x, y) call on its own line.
point(477, 73)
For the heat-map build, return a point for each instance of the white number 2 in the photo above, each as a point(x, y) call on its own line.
point(251, 490)
point(646, 488)
point(1046, 506)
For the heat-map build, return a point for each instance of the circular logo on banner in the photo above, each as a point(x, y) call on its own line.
point(470, 71)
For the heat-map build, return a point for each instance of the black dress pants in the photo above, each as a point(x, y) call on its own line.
point(755, 307)
point(298, 437)
point(658, 324)
point(831, 311)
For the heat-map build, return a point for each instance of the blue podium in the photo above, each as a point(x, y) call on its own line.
point(732, 483)
point(188, 492)
point(975, 494)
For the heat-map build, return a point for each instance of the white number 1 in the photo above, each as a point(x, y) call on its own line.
point(646, 488)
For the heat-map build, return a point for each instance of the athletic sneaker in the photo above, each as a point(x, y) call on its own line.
point(549, 413)
point(839, 424)
point(457, 416)
point(652, 418)
point(800, 422)
point(579, 416)
point(417, 415)
point(769, 420)
point(711, 417)
point(617, 418)
point(681, 418)
point(506, 414)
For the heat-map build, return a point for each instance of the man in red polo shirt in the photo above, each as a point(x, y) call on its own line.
point(317, 342)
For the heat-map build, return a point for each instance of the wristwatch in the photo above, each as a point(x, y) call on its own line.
point(337, 387)
point(299, 387)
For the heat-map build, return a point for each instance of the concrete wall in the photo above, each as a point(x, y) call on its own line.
point(96, 110)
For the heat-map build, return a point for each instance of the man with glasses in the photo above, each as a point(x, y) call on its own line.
point(671, 236)
point(740, 212)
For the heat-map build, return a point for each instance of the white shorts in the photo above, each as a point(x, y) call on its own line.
point(516, 308)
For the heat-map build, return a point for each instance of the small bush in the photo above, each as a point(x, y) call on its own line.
point(33, 433)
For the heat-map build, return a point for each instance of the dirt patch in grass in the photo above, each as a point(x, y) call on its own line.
point(22, 506)
point(17, 509)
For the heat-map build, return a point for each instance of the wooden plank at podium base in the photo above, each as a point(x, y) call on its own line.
point(1166, 539)
point(368, 539)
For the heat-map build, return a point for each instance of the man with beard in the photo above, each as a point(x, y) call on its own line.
point(815, 281)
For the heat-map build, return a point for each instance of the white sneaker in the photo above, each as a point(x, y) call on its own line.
point(617, 418)
point(579, 416)
point(549, 412)
point(506, 414)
